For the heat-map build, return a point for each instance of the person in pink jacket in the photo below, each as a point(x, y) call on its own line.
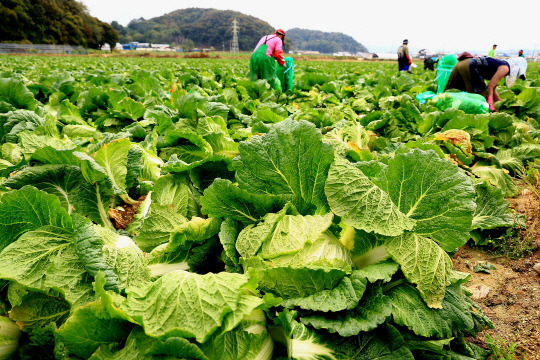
point(262, 64)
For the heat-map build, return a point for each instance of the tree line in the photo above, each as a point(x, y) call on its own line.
point(323, 42)
point(64, 22)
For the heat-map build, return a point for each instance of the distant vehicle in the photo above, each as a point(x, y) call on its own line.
point(422, 54)
point(129, 47)
point(160, 46)
point(141, 45)
point(366, 55)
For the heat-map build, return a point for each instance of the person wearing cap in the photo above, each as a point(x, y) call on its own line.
point(518, 69)
point(404, 59)
point(520, 54)
point(262, 64)
point(470, 71)
point(491, 52)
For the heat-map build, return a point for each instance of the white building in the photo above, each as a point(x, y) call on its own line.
point(306, 52)
point(107, 47)
point(141, 45)
point(387, 56)
point(160, 47)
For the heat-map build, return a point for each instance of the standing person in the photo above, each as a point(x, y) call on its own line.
point(491, 52)
point(404, 59)
point(469, 74)
point(520, 53)
point(262, 64)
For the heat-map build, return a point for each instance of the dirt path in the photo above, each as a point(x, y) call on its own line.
point(510, 295)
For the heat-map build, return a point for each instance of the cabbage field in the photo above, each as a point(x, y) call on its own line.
point(171, 209)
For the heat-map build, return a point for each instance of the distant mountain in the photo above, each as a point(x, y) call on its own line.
point(323, 42)
point(196, 27)
point(205, 28)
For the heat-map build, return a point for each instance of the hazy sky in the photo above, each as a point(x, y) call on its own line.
point(380, 25)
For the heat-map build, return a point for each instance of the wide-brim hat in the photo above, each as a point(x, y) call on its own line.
point(518, 67)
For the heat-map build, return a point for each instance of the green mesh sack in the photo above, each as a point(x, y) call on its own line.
point(425, 96)
point(468, 103)
point(285, 74)
point(444, 69)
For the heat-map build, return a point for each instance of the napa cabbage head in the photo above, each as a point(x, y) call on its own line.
point(300, 260)
point(9, 337)
point(301, 342)
point(293, 241)
point(249, 340)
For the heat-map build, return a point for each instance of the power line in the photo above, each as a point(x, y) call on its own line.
point(234, 47)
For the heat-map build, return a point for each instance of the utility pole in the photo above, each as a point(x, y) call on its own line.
point(234, 47)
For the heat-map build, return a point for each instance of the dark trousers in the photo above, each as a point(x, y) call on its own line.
point(477, 81)
point(403, 64)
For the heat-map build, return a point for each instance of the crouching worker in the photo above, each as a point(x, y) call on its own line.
point(430, 62)
point(470, 72)
point(262, 64)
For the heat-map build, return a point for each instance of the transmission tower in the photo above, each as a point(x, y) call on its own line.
point(234, 46)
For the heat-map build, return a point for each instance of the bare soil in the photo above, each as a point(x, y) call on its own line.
point(510, 295)
point(124, 214)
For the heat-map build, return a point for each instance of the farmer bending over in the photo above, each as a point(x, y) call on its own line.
point(262, 64)
point(470, 71)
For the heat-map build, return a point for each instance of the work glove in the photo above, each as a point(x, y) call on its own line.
point(490, 103)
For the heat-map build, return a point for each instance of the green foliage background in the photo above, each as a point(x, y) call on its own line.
point(53, 22)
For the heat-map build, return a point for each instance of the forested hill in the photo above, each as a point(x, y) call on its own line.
point(207, 28)
point(323, 42)
point(197, 27)
point(52, 22)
